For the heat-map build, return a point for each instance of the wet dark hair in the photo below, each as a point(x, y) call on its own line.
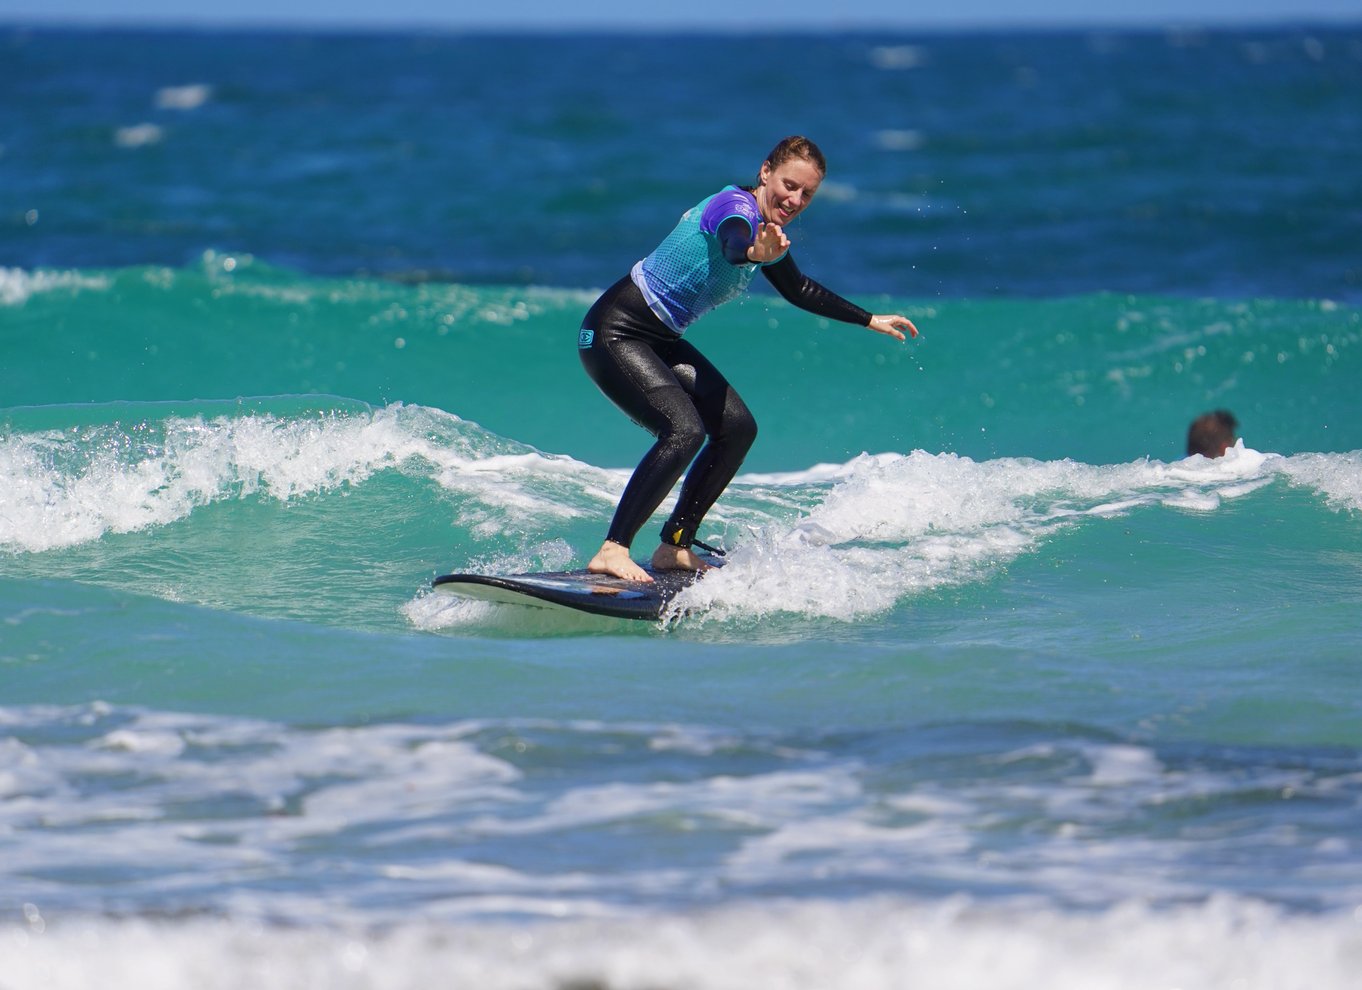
point(797, 146)
point(1211, 433)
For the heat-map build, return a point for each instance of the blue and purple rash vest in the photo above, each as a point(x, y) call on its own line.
point(688, 275)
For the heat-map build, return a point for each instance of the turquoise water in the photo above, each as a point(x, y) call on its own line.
point(995, 690)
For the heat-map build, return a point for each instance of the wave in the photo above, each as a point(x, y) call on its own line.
point(889, 527)
point(961, 852)
point(452, 814)
point(140, 472)
point(1100, 378)
point(834, 541)
point(18, 286)
point(803, 945)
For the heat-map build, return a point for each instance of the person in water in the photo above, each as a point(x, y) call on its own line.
point(631, 345)
point(1212, 433)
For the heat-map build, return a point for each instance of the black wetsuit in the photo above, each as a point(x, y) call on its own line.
point(663, 383)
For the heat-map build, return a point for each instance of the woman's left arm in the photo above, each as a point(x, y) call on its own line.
point(800, 290)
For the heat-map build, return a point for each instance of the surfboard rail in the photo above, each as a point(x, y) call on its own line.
point(579, 590)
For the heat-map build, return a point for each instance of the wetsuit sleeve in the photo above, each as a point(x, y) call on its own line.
point(732, 216)
point(735, 237)
point(800, 290)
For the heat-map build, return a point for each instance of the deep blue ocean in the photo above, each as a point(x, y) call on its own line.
point(997, 689)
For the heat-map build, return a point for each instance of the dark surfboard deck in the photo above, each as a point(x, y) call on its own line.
point(580, 590)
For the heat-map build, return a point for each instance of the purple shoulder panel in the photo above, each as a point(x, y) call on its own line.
point(730, 202)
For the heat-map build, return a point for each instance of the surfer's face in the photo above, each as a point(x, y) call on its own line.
point(784, 191)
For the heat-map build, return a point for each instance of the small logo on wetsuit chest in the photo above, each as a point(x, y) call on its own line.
point(585, 337)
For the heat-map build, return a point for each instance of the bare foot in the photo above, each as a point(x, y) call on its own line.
point(670, 558)
point(614, 559)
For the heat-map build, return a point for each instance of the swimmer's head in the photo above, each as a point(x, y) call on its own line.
point(1212, 433)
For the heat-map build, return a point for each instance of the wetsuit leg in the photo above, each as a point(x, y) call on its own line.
point(732, 431)
point(666, 386)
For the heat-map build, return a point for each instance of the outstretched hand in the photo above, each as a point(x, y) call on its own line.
point(893, 326)
point(770, 244)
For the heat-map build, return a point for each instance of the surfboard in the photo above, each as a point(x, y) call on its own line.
point(581, 590)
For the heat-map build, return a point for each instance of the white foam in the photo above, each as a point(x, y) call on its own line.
point(890, 526)
point(434, 612)
point(898, 57)
point(869, 944)
point(899, 140)
point(359, 829)
point(1123, 765)
point(837, 541)
point(161, 743)
point(1337, 476)
point(882, 527)
point(187, 97)
point(844, 541)
point(18, 286)
point(139, 135)
point(70, 487)
point(380, 775)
